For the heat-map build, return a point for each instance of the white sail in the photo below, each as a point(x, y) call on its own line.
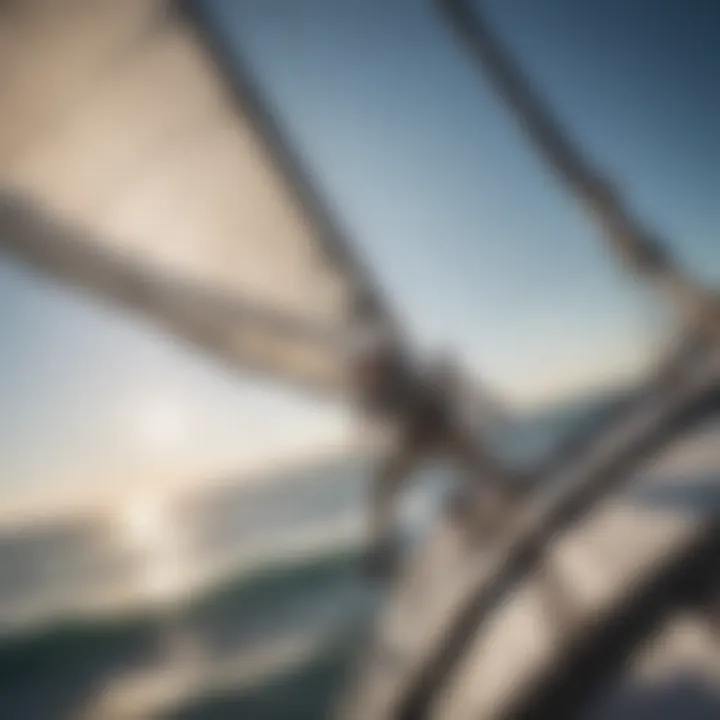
point(126, 161)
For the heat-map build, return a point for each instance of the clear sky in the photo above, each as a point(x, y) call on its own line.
point(478, 246)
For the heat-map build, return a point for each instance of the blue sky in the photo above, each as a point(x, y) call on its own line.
point(478, 246)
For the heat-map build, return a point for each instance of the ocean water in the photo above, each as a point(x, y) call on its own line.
point(249, 604)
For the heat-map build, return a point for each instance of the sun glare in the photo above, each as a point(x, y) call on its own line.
point(144, 523)
point(146, 528)
point(161, 424)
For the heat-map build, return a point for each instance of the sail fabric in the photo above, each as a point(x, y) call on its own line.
point(126, 162)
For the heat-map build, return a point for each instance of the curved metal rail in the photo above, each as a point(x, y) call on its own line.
point(686, 392)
